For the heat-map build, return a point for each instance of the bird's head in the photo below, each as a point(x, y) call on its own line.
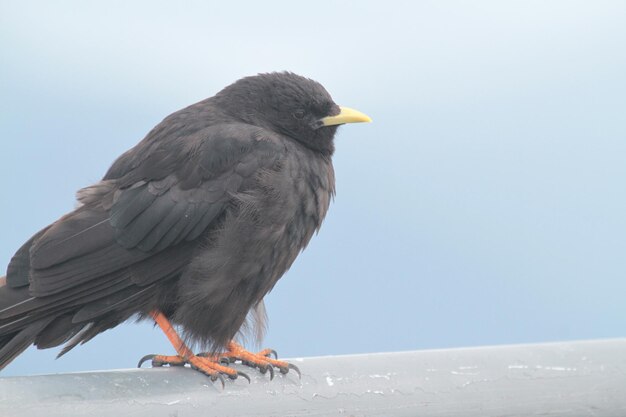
point(289, 104)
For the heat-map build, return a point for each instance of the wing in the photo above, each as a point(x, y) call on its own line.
point(155, 198)
point(100, 264)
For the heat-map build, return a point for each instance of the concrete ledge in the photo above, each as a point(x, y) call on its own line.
point(585, 378)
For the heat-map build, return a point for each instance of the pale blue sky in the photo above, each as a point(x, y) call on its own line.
point(485, 204)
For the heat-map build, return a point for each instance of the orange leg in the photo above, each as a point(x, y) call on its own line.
point(206, 365)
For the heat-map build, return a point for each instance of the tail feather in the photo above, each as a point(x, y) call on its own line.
point(58, 332)
point(18, 342)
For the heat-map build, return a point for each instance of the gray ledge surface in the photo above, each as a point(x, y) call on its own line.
point(586, 378)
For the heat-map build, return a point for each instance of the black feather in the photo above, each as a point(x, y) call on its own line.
point(18, 342)
point(130, 204)
point(19, 266)
point(59, 331)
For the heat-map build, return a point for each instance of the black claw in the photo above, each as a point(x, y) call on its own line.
point(239, 373)
point(224, 361)
point(272, 352)
point(214, 376)
point(291, 366)
point(262, 368)
point(221, 378)
point(144, 359)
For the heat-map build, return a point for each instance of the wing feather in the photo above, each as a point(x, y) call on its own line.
point(137, 227)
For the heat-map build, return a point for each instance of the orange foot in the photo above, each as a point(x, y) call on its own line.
point(261, 360)
point(207, 365)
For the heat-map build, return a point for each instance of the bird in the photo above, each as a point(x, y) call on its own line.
point(190, 228)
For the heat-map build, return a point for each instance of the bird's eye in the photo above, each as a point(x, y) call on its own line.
point(298, 114)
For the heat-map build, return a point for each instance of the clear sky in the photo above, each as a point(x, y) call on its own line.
point(486, 204)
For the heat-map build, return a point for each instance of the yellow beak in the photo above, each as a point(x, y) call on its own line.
point(346, 115)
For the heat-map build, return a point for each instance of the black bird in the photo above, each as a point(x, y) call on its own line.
point(193, 226)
